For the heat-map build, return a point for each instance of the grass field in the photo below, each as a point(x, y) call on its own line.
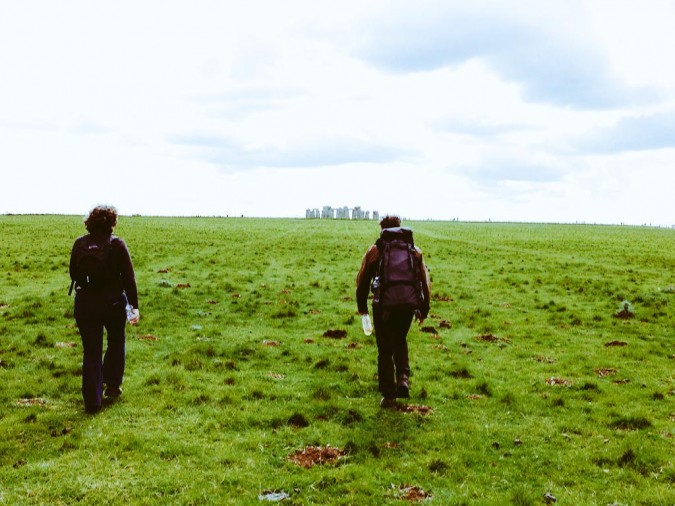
point(533, 385)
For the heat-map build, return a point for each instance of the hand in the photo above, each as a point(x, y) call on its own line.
point(136, 317)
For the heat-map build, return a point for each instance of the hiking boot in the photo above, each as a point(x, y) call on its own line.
point(402, 387)
point(388, 403)
point(112, 392)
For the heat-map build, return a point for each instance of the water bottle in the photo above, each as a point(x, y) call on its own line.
point(130, 312)
point(366, 324)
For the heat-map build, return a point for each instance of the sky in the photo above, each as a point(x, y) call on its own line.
point(527, 111)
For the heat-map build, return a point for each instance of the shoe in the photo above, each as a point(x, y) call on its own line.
point(388, 403)
point(112, 392)
point(402, 387)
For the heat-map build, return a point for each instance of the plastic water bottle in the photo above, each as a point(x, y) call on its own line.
point(366, 324)
point(130, 312)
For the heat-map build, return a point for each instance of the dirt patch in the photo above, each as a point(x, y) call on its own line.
point(308, 340)
point(445, 324)
point(605, 371)
point(624, 314)
point(545, 360)
point(553, 381)
point(616, 343)
point(316, 455)
point(65, 345)
point(353, 346)
point(412, 493)
point(440, 347)
point(212, 302)
point(442, 298)
point(621, 381)
point(429, 330)
point(270, 343)
point(164, 271)
point(147, 337)
point(36, 401)
point(389, 445)
point(474, 397)
point(276, 376)
point(335, 334)
point(235, 296)
point(314, 311)
point(414, 408)
point(183, 285)
point(4, 306)
point(491, 338)
point(298, 420)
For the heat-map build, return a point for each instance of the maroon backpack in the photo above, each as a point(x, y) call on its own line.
point(398, 281)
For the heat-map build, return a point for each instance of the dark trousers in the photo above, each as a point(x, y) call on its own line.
point(93, 313)
point(391, 329)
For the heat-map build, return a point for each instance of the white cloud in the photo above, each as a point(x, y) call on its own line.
point(483, 110)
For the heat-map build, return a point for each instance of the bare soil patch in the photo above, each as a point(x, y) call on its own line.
point(65, 345)
point(183, 285)
point(414, 408)
point(429, 330)
point(553, 381)
point(605, 371)
point(491, 338)
point(270, 343)
point(616, 343)
point(147, 337)
point(316, 455)
point(445, 324)
point(412, 493)
point(335, 334)
point(624, 314)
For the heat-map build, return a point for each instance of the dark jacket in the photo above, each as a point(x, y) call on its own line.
point(121, 269)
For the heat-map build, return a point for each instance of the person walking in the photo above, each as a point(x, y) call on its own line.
point(106, 297)
point(394, 269)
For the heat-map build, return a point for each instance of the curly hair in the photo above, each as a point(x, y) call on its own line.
point(101, 219)
point(390, 221)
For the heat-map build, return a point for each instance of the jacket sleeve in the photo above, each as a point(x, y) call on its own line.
point(127, 273)
point(364, 277)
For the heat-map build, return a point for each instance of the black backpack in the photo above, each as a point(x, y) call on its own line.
point(398, 281)
point(92, 264)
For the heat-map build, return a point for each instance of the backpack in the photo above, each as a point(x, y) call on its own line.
point(91, 264)
point(398, 280)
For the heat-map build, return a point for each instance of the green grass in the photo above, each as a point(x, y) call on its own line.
point(210, 411)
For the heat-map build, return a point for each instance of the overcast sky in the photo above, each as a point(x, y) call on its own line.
point(554, 111)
